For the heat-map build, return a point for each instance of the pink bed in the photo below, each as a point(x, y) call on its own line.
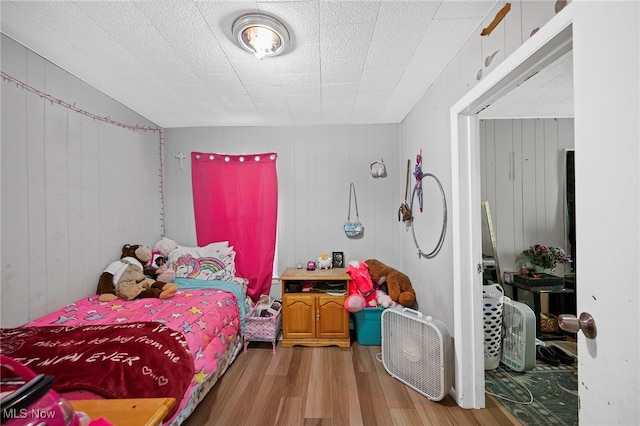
point(207, 315)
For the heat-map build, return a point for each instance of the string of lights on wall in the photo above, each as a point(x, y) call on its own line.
point(134, 127)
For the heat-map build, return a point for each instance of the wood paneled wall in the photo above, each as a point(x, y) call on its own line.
point(74, 189)
point(428, 128)
point(315, 165)
point(523, 176)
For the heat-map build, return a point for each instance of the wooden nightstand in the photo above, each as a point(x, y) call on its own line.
point(313, 311)
point(127, 412)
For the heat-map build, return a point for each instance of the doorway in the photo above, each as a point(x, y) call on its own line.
point(522, 169)
point(551, 42)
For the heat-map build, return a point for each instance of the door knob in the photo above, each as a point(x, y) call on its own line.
point(586, 323)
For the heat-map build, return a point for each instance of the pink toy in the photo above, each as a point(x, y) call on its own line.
point(29, 399)
point(354, 302)
point(361, 291)
point(384, 300)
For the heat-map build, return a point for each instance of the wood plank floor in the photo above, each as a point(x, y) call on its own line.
point(327, 386)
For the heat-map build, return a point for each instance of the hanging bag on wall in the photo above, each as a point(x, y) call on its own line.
point(404, 212)
point(353, 229)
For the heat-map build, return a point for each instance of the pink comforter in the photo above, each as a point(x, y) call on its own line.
point(209, 320)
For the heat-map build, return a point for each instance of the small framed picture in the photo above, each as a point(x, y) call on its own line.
point(338, 259)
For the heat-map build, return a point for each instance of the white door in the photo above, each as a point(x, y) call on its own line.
point(607, 140)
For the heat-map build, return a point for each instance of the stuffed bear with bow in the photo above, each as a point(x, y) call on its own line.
point(125, 278)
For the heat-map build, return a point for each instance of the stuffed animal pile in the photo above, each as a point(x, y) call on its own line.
point(398, 284)
point(370, 279)
point(125, 278)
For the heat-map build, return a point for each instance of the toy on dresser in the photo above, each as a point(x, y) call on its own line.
point(324, 262)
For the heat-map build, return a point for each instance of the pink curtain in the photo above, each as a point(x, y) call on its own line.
point(235, 199)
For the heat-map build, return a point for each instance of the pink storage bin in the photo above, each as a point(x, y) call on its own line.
point(262, 329)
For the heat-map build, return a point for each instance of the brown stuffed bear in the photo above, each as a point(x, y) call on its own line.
point(398, 284)
point(126, 280)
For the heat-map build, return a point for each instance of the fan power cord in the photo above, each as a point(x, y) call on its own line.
point(509, 399)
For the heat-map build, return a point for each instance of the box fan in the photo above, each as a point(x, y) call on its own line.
point(518, 336)
point(416, 351)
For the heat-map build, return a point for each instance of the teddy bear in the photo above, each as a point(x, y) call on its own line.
point(125, 278)
point(165, 246)
point(361, 290)
point(160, 260)
point(398, 284)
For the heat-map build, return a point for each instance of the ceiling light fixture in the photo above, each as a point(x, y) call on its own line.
point(261, 35)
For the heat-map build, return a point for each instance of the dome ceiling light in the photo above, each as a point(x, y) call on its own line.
point(261, 35)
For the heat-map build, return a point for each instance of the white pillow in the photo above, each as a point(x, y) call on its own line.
point(215, 261)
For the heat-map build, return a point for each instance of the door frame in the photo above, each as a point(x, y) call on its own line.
point(551, 42)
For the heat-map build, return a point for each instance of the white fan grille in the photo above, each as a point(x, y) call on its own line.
point(518, 340)
point(413, 352)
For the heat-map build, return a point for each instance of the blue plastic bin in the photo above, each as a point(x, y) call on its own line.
point(367, 326)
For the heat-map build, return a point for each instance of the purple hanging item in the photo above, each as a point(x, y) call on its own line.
point(418, 175)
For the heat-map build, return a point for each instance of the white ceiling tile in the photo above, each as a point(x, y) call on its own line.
point(399, 29)
point(106, 12)
point(227, 84)
point(224, 13)
point(205, 59)
point(12, 13)
point(339, 92)
point(254, 72)
point(301, 84)
point(194, 92)
point(341, 70)
point(345, 41)
point(336, 112)
point(305, 59)
point(143, 41)
point(275, 112)
point(383, 80)
point(237, 102)
point(371, 100)
point(141, 81)
point(440, 43)
point(364, 116)
point(262, 93)
point(176, 63)
point(464, 9)
point(348, 12)
point(176, 72)
point(305, 15)
point(308, 103)
point(47, 12)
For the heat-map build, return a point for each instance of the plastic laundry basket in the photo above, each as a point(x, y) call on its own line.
point(492, 297)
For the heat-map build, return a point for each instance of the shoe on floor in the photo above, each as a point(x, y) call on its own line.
point(564, 357)
point(545, 354)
